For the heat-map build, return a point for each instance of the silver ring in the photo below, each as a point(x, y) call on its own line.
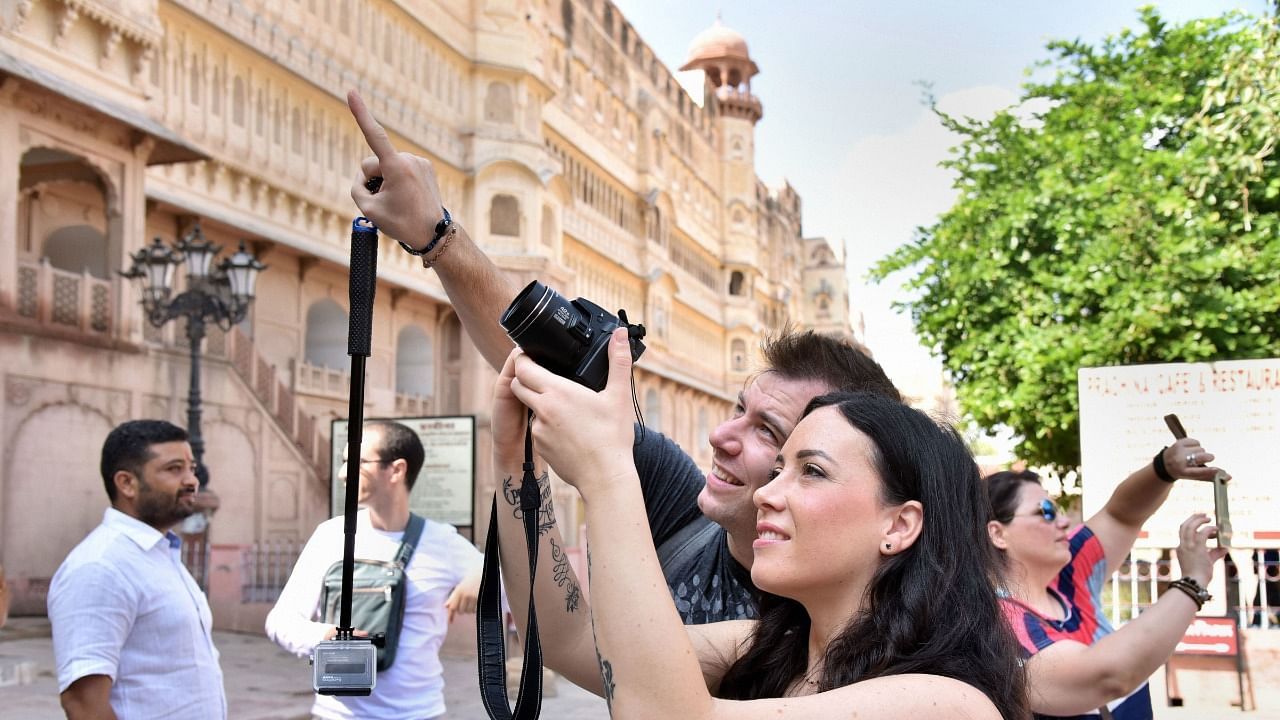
point(1191, 458)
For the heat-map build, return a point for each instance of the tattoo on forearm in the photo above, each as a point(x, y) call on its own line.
point(560, 571)
point(606, 668)
point(546, 512)
point(606, 680)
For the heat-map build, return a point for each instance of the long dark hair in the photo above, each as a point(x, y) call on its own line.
point(931, 608)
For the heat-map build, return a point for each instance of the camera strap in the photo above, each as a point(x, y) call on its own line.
point(490, 625)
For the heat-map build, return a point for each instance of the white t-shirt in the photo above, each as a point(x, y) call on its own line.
point(123, 605)
point(412, 688)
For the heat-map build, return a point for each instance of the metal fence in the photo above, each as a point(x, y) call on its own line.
point(265, 568)
point(195, 555)
point(1145, 574)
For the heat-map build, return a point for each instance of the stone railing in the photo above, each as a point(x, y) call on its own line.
point(595, 230)
point(411, 405)
point(320, 381)
point(74, 301)
point(277, 399)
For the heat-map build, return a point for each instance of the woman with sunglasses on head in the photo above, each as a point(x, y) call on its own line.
point(1078, 666)
point(871, 554)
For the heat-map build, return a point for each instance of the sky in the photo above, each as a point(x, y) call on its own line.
point(844, 121)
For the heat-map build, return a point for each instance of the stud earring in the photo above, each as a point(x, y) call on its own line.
point(888, 546)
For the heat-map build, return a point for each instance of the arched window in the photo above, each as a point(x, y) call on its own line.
point(277, 134)
point(326, 342)
point(652, 409)
point(295, 130)
point(415, 368)
point(195, 88)
point(237, 101)
point(215, 91)
point(261, 111)
point(451, 378)
point(548, 226)
point(504, 215)
point(738, 355)
point(736, 282)
point(76, 248)
point(498, 105)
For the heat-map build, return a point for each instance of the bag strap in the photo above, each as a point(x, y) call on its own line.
point(490, 624)
point(409, 543)
point(684, 542)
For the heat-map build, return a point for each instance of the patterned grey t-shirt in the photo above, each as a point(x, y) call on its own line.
point(707, 583)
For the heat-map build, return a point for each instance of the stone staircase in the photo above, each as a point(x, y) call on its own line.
point(278, 401)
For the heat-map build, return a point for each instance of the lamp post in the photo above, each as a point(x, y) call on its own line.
point(221, 295)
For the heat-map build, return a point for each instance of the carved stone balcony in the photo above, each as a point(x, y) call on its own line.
point(78, 302)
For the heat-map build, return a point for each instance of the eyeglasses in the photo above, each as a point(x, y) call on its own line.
point(380, 461)
point(1046, 511)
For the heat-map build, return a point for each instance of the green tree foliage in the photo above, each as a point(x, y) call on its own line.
point(1134, 219)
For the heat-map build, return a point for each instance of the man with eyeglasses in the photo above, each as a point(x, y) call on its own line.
point(130, 624)
point(1077, 665)
point(443, 576)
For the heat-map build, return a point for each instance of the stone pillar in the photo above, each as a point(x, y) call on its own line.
point(10, 169)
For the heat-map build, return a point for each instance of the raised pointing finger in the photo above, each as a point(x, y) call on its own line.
point(374, 134)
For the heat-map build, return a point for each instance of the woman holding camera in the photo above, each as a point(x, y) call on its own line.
point(1078, 666)
point(871, 552)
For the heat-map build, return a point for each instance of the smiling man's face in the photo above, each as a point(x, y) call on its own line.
point(745, 447)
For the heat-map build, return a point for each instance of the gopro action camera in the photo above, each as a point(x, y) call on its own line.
point(344, 667)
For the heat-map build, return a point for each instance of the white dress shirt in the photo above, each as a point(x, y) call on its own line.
point(123, 605)
point(413, 687)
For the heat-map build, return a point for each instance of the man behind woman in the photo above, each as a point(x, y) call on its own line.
point(878, 579)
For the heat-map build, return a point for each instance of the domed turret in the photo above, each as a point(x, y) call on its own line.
point(721, 53)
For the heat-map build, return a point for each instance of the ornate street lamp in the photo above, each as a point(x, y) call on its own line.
point(221, 295)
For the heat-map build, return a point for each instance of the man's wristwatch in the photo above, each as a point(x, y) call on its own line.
point(1193, 589)
point(441, 229)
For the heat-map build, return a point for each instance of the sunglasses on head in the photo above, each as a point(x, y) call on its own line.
point(1047, 511)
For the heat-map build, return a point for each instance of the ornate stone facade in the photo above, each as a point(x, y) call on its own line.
point(568, 150)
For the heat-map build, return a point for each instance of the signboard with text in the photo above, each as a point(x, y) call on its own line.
point(1210, 636)
point(1231, 407)
point(445, 488)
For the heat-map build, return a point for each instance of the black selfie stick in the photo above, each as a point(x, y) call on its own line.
point(364, 274)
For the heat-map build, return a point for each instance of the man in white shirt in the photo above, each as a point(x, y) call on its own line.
point(132, 632)
point(443, 578)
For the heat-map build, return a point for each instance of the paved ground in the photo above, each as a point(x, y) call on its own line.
point(262, 681)
point(265, 683)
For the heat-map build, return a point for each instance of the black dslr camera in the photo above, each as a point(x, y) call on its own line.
point(571, 339)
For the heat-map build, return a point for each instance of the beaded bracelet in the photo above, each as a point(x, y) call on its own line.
point(1193, 590)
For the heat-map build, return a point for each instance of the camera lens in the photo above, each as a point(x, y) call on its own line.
point(549, 328)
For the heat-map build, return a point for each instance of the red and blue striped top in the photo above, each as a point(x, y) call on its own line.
point(1078, 588)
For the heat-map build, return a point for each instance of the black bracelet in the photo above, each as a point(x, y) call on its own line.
point(1193, 590)
point(438, 233)
point(1157, 464)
